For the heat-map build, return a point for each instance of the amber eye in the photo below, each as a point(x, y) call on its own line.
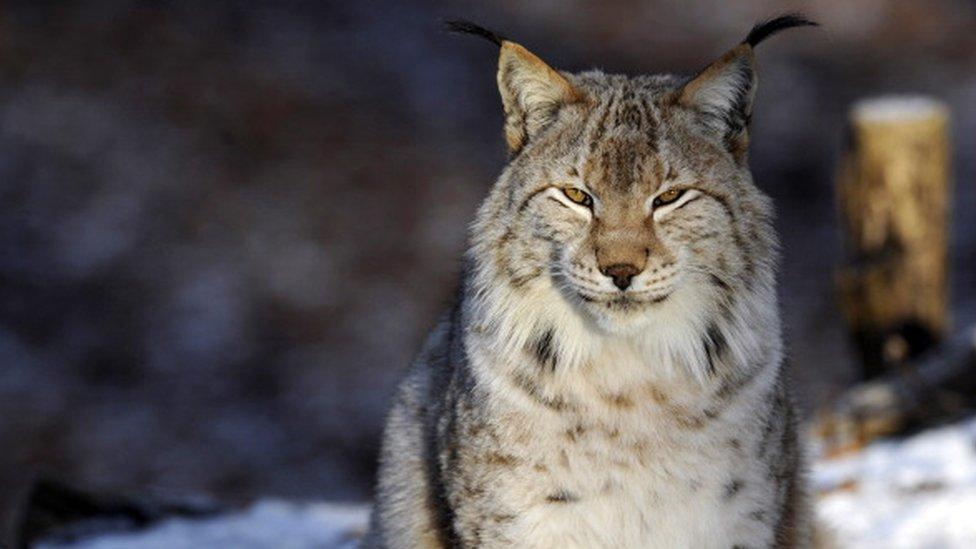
point(668, 197)
point(578, 196)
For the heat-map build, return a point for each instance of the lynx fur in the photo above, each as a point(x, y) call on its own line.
point(611, 375)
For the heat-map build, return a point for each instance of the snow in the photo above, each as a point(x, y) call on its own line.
point(268, 524)
point(916, 493)
point(919, 492)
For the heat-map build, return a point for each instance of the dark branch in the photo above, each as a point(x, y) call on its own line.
point(769, 27)
point(462, 26)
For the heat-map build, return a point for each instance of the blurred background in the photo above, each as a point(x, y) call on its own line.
point(225, 227)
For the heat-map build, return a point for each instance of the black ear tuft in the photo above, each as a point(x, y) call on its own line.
point(463, 26)
point(769, 27)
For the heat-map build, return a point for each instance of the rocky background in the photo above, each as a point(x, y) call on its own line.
point(226, 226)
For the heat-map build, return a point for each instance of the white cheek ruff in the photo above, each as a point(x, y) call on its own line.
point(514, 318)
point(667, 339)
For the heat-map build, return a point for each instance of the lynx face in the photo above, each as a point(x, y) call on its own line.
point(629, 203)
point(628, 199)
point(632, 204)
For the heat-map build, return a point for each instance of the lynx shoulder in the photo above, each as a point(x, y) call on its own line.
point(611, 372)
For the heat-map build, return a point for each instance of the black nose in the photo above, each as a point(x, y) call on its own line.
point(621, 273)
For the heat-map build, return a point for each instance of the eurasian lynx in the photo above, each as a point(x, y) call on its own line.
point(611, 373)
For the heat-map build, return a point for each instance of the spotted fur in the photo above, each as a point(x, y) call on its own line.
point(611, 373)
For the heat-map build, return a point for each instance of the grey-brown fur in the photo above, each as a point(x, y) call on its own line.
point(611, 373)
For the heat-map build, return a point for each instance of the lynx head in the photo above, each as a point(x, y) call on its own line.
point(628, 197)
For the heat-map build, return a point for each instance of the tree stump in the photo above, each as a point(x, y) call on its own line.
point(893, 193)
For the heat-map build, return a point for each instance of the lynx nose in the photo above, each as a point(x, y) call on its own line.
point(621, 273)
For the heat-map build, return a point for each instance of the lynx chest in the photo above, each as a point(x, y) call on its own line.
point(651, 467)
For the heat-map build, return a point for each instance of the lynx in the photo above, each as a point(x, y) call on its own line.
point(611, 374)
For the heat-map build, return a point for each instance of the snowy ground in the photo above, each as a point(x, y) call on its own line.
point(917, 493)
point(265, 525)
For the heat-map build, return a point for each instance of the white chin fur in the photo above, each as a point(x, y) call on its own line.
point(667, 335)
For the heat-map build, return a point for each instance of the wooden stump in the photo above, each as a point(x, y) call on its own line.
point(893, 192)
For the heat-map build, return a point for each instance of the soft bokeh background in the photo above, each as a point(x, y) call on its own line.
point(226, 226)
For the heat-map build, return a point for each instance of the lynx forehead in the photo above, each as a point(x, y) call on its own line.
point(611, 373)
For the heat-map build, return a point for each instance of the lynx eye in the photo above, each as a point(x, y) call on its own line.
point(667, 197)
point(578, 196)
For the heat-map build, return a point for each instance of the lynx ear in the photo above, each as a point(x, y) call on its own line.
point(532, 91)
point(724, 91)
